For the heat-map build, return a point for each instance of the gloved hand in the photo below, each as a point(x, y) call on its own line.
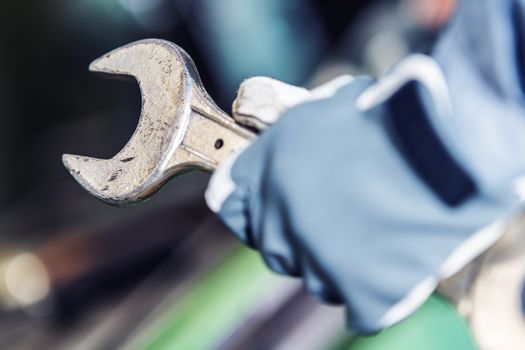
point(325, 194)
point(372, 206)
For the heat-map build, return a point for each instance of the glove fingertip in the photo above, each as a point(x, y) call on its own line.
point(233, 214)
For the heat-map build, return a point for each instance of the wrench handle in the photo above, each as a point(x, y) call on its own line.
point(211, 137)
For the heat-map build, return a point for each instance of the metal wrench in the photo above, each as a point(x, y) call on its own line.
point(180, 127)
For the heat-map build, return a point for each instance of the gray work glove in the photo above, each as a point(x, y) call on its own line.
point(324, 194)
point(369, 207)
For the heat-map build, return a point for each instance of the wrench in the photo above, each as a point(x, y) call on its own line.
point(180, 128)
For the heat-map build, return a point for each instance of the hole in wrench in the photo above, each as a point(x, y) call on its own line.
point(219, 143)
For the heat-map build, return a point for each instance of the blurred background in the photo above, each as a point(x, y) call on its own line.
point(78, 274)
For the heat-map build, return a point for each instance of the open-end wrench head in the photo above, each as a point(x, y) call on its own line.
point(165, 74)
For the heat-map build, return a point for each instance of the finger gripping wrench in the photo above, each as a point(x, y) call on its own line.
point(180, 127)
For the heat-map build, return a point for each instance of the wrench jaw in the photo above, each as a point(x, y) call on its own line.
point(88, 176)
point(180, 128)
point(92, 174)
point(165, 74)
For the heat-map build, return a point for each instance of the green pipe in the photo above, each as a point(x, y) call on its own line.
point(435, 326)
point(214, 306)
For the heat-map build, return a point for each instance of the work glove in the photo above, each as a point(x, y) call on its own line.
point(326, 194)
point(376, 191)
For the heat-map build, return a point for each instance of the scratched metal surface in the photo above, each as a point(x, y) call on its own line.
point(180, 127)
